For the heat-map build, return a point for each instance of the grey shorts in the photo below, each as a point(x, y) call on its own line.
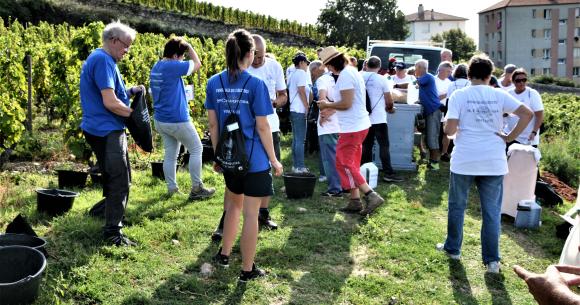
point(432, 127)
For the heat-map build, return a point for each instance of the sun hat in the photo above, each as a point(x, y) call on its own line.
point(329, 53)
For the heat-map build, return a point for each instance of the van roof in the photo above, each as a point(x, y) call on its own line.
point(406, 46)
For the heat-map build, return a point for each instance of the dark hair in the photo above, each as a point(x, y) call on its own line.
point(338, 63)
point(493, 82)
point(175, 46)
point(238, 44)
point(519, 71)
point(374, 62)
point(480, 67)
point(460, 71)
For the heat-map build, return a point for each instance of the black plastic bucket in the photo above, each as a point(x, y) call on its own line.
point(70, 179)
point(157, 169)
point(54, 202)
point(299, 185)
point(96, 178)
point(10, 239)
point(22, 269)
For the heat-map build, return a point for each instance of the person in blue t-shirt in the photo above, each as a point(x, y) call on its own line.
point(237, 90)
point(171, 114)
point(429, 98)
point(104, 103)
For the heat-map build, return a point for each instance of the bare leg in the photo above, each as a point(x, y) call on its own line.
point(249, 238)
point(232, 221)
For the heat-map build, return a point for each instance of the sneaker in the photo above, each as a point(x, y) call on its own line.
point(493, 267)
point(322, 179)
point(200, 192)
point(217, 235)
point(331, 194)
point(120, 240)
point(392, 178)
point(300, 170)
point(440, 247)
point(374, 200)
point(265, 221)
point(353, 206)
point(250, 275)
point(445, 158)
point(222, 260)
point(433, 166)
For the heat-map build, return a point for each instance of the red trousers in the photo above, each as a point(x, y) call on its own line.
point(348, 155)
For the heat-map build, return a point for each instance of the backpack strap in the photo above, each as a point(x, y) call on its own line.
point(381, 96)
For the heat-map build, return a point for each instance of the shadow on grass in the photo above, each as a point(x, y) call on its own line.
point(461, 287)
point(495, 286)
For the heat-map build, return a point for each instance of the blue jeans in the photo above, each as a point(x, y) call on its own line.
point(298, 136)
point(490, 190)
point(173, 135)
point(328, 155)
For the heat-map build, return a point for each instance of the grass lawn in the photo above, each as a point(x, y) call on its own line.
point(317, 256)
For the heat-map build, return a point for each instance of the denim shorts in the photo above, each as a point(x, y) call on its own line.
point(432, 127)
point(257, 184)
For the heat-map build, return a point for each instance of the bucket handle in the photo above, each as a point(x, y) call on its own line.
point(24, 280)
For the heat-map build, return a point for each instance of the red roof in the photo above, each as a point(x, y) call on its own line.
point(436, 17)
point(512, 3)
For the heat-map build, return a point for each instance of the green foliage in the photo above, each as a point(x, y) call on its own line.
point(548, 79)
point(456, 40)
point(232, 16)
point(349, 22)
point(543, 79)
point(561, 113)
point(561, 155)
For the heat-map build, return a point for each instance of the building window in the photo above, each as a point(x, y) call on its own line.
point(499, 36)
point(547, 33)
point(547, 53)
point(576, 52)
point(546, 71)
point(576, 71)
point(577, 12)
point(562, 21)
point(492, 54)
point(561, 61)
point(486, 36)
point(533, 13)
point(486, 19)
point(533, 52)
point(499, 15)
point(547, 14)
point(492, 36)
point(534, 33)
point(562, 42)
point(533, 71)
point(499, 54)
point(577, 32)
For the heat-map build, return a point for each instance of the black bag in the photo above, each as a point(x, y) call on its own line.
point(139, 123)
point(230, 152)
point(546, 194)
point(313, 113)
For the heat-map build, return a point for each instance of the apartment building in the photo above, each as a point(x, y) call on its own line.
point(542, 36)
point(425, 24)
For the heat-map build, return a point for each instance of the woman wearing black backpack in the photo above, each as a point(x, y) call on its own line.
point(235, 92)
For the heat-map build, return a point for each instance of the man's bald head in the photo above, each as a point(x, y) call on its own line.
point(260, 45)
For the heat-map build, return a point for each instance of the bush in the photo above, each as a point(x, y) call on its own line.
point(564, 82)
point(561, 156)
point(543, 79)
point(561, 112)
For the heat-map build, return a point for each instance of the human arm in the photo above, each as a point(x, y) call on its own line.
point(539, 119)
point(525, 116)
point(213, 128)
point(551, 287)
point(302, 96)
point(265, 134)
point(281, 99)
point(401, 86)
point(389, 106)
point(194, 57)
point(347, 97)
point(115, 105)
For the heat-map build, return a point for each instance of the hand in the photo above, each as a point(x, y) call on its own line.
point(531, 136)
point(277, 166)
point(503, 136)
point(552, 287)
point(390, 108)
point(323, 104)
point(139, 88)
point(217, 168)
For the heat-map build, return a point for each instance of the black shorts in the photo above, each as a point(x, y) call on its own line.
point(257, 184)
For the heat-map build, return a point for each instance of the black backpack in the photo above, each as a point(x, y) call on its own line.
point(230, 152)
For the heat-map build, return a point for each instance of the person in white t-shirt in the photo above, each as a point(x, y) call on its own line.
point(327, 127)
point(299, 89)
point(401, 79)
point(354, 124)
point(505, 82)
point(460, 76)
point(380, 101)
point(442, 81)
point(531, 98)
point(475, 117)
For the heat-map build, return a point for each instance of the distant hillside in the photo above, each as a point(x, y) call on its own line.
point(144, 19)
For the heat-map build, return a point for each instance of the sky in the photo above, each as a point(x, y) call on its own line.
point(307, 11)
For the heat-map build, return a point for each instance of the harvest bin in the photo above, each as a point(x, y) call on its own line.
point(299, 185)
point(22, 269)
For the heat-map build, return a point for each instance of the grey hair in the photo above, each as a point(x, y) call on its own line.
point(116, 29)
point(446, 64)
point(422, 63)
point(315, 64)
point(446, 51)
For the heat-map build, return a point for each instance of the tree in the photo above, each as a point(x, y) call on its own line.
point(349, 22)
point(456, 40)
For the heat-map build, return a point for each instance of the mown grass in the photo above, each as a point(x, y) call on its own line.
point(318, 256)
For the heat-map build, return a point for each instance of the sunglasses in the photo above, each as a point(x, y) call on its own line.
point(521, 80)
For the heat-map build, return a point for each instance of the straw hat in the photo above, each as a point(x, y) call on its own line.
point(328, 53)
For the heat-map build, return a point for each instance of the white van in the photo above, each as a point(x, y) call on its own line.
point(406, 51)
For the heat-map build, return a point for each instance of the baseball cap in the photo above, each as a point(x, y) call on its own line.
point(300, 57)
point(510, 68)
point(400, 65)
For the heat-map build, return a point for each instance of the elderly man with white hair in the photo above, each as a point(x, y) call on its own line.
point(105, 107)
point(429, 98)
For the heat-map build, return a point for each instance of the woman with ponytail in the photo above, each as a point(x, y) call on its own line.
point(235, 90)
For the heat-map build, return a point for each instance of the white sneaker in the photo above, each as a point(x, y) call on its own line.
point(493, 267)
point(322, 179)
point(440, 246)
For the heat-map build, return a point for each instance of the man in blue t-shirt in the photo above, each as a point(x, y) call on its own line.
point(429, 98)
point(105, 106)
